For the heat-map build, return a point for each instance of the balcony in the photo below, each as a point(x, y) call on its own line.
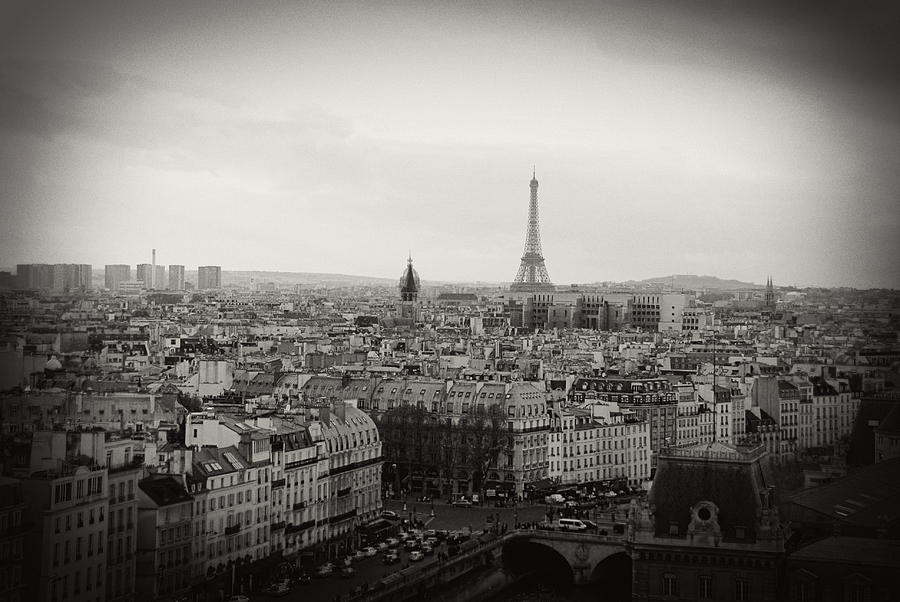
point(299, 527)
point(132, 464)
point(299, 463)
point(232, 530)
point(299, 506)
point(278, 525)
point(342, 517)
point(355, 465)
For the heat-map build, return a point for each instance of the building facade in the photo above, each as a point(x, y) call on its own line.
point(115, 275)
point(176, 278)
point(209, 277)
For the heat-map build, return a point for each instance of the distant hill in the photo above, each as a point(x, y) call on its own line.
point(242, 278)
point(307, 278)
point(693, 282)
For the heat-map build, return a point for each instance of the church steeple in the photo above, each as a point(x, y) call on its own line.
point(770, 294)
point(409, 282)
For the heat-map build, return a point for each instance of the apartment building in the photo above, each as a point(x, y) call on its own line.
point(124, 468)
point(66, 542)
point(12, 541)
point(164, 559)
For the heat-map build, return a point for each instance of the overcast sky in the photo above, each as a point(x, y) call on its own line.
point(736, 139)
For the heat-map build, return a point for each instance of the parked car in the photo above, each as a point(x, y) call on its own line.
point(325, 570)
point(392, 542)
point(389, 514)
point(391, 558)
point(368, 552)
point(277, 589)
point(411, 544)
point(427, 550)
point(381, 546)
point(571, 524)
point(462, 503)
point(416, 555)
point(303, 579)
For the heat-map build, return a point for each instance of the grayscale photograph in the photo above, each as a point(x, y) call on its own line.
point(500, 301)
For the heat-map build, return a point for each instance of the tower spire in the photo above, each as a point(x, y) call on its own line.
point(532, 275)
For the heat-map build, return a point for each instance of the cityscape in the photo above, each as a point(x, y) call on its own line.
point(362, 303)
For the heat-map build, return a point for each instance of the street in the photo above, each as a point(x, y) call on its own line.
point(371, 570)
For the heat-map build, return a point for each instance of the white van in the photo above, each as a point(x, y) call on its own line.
point(571, 524)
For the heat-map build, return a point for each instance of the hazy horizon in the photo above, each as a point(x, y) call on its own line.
point(736, 140)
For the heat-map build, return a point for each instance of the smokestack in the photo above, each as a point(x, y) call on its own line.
point(153, 272)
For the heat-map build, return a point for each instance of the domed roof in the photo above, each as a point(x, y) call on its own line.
point(409, 281)
point(53, 364)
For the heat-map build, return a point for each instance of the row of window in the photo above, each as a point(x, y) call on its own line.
point(63, 554)
point(62, 492)
point(705, 587)
point(60, 588)
point(94, 515)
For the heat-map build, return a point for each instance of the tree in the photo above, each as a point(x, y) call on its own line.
point(420, 442)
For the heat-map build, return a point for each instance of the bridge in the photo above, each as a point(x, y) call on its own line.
point(585, 557)
point(585, 553)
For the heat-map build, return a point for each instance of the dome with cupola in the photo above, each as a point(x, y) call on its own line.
point(409, 282)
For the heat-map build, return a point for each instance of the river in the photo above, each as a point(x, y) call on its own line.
point(545, 589)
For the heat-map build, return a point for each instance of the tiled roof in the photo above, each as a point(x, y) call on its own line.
point(868, 497)
point(164, 490)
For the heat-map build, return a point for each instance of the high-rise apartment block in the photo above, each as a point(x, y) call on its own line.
point(176, 278)
point(145, 274)
point(55, 277)
point(209, 276)
point(159, 277)
point(116, 274)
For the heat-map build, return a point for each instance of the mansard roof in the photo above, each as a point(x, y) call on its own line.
point(730, 477)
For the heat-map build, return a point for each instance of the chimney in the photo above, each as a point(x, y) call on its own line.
point(340, 410)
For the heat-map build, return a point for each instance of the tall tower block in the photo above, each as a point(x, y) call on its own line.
point(532, 276)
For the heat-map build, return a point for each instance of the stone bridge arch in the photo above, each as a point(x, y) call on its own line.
point(520, 556)
point(588, 557)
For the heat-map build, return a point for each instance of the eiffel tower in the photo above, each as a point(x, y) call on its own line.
point(532, 276)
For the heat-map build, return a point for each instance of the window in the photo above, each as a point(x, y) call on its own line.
point(741, 590)
point(705, 587)
point(670, 584)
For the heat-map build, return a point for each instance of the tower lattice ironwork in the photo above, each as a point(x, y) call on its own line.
point(532, 275)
